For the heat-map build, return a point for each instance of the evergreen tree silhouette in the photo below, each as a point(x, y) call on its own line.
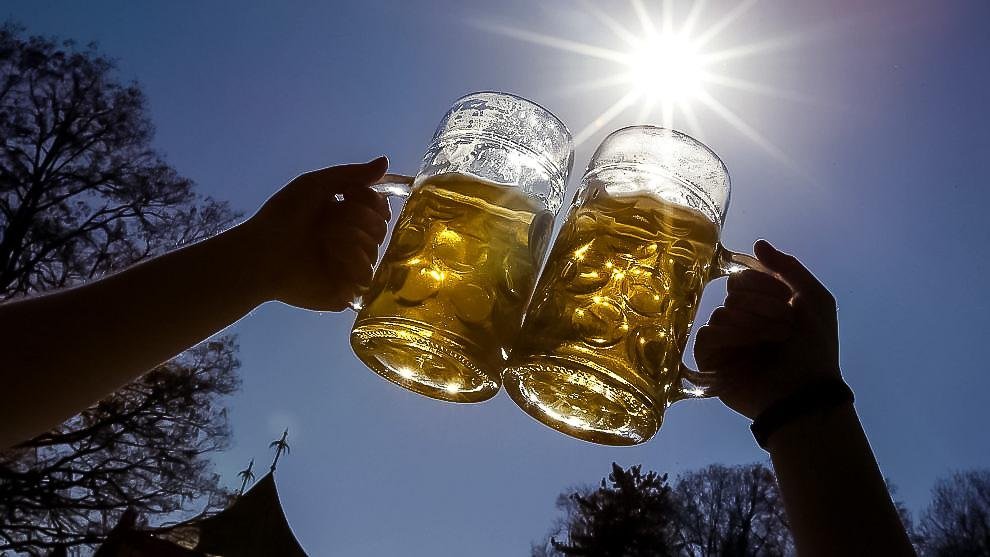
point(630, 515)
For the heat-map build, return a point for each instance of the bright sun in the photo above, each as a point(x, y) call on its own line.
point(669, 68)
point(666, 68)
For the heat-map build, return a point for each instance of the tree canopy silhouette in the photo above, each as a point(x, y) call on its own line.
point(731, 511)
point(83, 193)
point(723, 511)
point(957, 520)
point(81, 190)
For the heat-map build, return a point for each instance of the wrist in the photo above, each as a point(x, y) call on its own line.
point(802, 406)
point(810, 428)
point(251, 273)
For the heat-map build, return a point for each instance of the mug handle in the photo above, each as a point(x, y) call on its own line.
point(397, 186)
point(394, 185)
point(701, 384)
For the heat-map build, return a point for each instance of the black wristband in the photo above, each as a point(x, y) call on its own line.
point(811, 398)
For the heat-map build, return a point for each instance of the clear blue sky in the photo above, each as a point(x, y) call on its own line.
point(886, 129)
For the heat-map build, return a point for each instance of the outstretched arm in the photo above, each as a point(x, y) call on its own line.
point(66, 350)
point(774, 337)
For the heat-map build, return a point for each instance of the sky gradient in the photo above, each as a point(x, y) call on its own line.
point(879, 115)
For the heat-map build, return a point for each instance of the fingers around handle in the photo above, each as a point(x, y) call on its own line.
point(729, 262)
point(391, 185)
point(701, 384)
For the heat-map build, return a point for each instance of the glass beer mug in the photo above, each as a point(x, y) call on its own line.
point(599, 354)
point(448, 297)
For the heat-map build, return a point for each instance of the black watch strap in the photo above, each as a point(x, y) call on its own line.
point(809, 399)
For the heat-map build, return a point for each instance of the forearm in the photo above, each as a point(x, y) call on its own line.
point(835, 496)
point(66, 350)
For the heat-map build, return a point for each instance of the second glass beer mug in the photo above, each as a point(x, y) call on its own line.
point(448, 297)
point(599, 355)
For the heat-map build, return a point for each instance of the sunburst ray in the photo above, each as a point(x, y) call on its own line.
point(694, 125)
point(687, 26)
point(760, 47)
point(556, 42)
point(645, 21)
point(667, 113)
point(721, 25)
point(619, 30)
point(746, 130)
point(645, 109)
point(740, 84)
point(602, 83)
point(667, 15)
point(605, 117)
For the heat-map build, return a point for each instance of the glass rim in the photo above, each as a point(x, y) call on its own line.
point(718, 209)
point(563, 126)
point(650, 127)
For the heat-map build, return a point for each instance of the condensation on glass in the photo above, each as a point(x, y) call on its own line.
point(599, 355)
point(447, 299)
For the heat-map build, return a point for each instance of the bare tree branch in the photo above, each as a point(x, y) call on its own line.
point(82, 193)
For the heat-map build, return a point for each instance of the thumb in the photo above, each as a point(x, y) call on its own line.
point(376, 167)
point(363, 173)
point(349, 175)
point(787, 266)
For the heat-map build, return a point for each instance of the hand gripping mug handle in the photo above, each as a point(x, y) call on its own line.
point(392, 186)
point(702, 384)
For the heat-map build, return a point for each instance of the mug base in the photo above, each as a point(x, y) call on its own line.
point(421, 358)
point(582, 402)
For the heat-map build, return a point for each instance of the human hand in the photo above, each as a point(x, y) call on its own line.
point(772, 336)
point(313, 250)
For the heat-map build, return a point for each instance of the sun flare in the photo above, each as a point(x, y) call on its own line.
point(670, 68)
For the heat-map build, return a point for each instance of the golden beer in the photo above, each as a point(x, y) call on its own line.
point(600, 350)
point(448, 297)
